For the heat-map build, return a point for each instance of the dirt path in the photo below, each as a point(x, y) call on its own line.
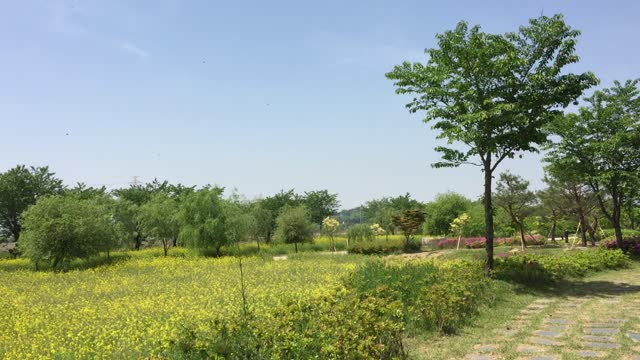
point(597, 318)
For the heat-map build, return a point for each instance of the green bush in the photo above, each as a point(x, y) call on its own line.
point(532, 268)
point(341, 325)
point(377, 247)
point(436, 296)
point(450, 301)
point(359, 232)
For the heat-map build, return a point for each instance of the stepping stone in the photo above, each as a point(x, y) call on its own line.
point(529, 312)
point(600, 325)
point(486, 347)
point(544, 341)
point(528, 349)
point(537, 306)
point(507, 332)
point(543, 301)
point(601, 331)
point(558, 321)
point(554, 328)
point(589, 354)
point(480, 357)
point(634, 336)
point(598, 345)
point(598, 338)
point(617, 321)
point(545, 333)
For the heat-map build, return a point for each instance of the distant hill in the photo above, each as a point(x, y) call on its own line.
point(350, 217)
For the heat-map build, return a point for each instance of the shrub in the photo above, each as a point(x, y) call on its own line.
point(340, 325)
point(436, 296)
point(449, 302)
point(530, 268)
point(630, 245)
point(377, 247)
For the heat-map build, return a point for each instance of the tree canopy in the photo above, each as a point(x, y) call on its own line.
point(492, 96)
point(515, 198)
point(294, 226)
point(60, 228)
point(20, 187)
point(443, 210)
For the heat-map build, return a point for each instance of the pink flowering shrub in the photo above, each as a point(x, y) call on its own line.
point(629, 245)
point(479, 242)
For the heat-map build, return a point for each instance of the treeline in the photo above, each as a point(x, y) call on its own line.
point(53, 223)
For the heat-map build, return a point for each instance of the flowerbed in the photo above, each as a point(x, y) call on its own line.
point(479, 242)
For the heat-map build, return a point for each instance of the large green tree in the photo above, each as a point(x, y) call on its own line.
point(492, 95)
point(20, 187)
point(443, 210)
point(321, 204)
point(60, 228)
point(203, 220)
point(275, 204)
point(601, 144)
point(137, 195)
point(159, 218)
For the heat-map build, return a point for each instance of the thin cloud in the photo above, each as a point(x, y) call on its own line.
point(134, 49)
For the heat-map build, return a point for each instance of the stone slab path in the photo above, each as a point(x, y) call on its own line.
point(596, 320)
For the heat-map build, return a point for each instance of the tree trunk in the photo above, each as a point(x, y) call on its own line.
point(583, 230)
point(618, 231)
point(521, 227)
point(617, 211)
point(488, 215)
point(553, 231)
point(138, 242)
point(165, 247)
point(592, 235)
point(296, 246)
point(258, 242)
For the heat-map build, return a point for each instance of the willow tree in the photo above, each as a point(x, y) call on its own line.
point(492, 95)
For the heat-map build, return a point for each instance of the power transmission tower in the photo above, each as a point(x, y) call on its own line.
point(136, 180)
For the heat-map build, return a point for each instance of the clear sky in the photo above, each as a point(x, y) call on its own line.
point(256, 95)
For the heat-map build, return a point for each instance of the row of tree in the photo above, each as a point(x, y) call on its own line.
point(51, 221)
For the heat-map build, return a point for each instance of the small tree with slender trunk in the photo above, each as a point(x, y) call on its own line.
point(457, 226)
point(513, 195)
point(294, 226)
point(409, 223)
point(330, 227)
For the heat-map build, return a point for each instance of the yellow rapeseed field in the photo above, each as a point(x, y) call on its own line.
point(129, 310)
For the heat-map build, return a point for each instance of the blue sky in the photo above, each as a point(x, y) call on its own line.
point(254, 95)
